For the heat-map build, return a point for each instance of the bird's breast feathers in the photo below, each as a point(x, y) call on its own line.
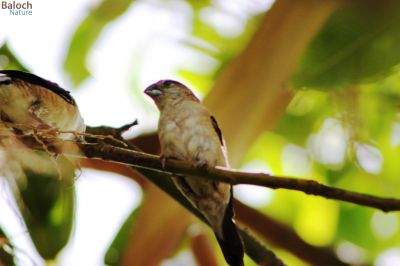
point(186, 133)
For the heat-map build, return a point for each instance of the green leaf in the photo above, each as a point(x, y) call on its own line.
point(86, 35)
point(48, 206)
point(8, 60)
point(116, 250)
point(358, 44)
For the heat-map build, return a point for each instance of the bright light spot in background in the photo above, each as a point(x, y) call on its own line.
point(352, 254)
point(40, 40)
point(12, 223)
point(113, 59)
point(254, 196)
point(316, 220)
point(395, 137)
point(184, 258)
point(328, 146)
point(384, 225)
point(369, 158)
point(225, 24)
point(390, 257)
point(229, 18)
point(295, 161)
point(104, 200)
point(100, 100)
point(240, 7)
point(102, 207)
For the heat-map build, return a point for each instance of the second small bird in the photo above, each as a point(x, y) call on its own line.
point(188, 132)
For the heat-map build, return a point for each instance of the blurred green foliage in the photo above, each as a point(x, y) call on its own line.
point(8, 60)
point(358, 43)
point(222, 47)
point(349, 75)
point(115, 252)
point(86, 35)
point(48, 205)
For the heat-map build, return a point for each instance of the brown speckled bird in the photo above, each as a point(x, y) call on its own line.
point(27, 99)
point(188, 132)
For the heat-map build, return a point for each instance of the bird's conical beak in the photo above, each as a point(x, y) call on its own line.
point(153, 90)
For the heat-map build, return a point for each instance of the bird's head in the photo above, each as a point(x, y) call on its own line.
point(167, 91)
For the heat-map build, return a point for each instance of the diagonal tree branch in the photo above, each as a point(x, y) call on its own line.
point(269, 229)
point(147, 161)
point(127, 155)
point(282, 236)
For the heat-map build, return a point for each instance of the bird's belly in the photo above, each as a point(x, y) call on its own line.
point(188, 142)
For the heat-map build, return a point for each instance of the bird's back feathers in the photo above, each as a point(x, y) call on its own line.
point(6, 76)
point(31, 100)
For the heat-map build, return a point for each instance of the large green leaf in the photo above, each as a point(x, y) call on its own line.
point(48, 205)
point(86, 35)
point(359, 43)
point(116, 250)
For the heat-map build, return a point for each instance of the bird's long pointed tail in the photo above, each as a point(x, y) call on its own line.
point(231, 243)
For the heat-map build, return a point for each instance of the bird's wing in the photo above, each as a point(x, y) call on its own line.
point(221, 140)
point(230, 240)
point(217, 130)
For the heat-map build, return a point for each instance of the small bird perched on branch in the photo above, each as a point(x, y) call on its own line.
point(35, 111)
point(187, 131)
point(40, 110)
point(29, 100)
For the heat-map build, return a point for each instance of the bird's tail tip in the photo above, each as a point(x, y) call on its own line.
point(231, 244)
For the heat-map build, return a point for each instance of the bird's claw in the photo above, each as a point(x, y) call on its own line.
point(201, 164)
point(163, 161)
